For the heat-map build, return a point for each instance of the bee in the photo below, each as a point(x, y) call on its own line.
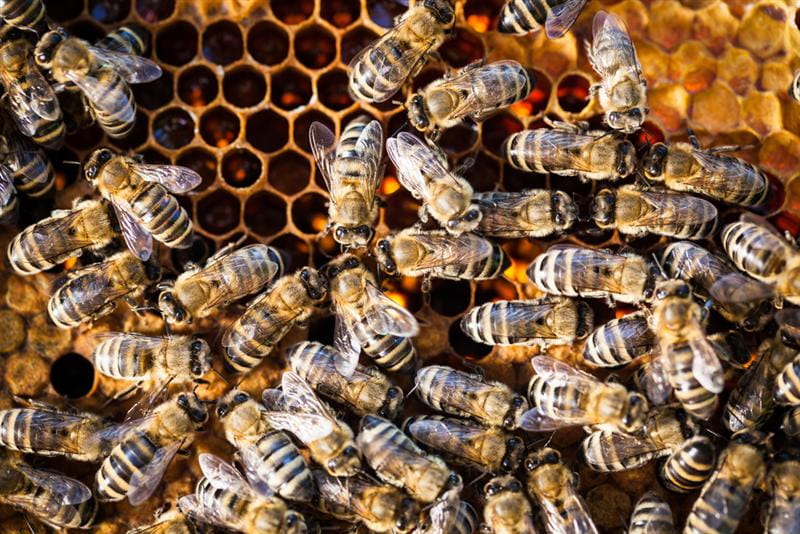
point(382, 68)
point(619, 341)
point(574, 271)
point(664, 431)
point(651, 515)
point(520, 16)
point(145, 447)
point(30, 168)
point(554, 488)
point(365, 391)
point(692, 463)
point(622, 90)
point(445, 196)
point(130, 39)
point(507, 509)
point(791, 423)
point(369, 320)
point(787, 383)
point(289, 301)
point(531, 213)
point(54, 499)
point(637, 212)
point(9, 205)
point(542, 322)
point(562, 396)
point(380, 507)
point(228, 276)
point(90, 292)
point(28, 14)
point(435, 253)
point(298, 410)
point(102, 75)
point(794, 88)
point(469, 395)
point(352, 172)
point(725, 496)
point(783, 481)
point(269, 456)
point(686, 167)
point(464, 521)
point(732, 348)
point(474, 91)
point(171, 522)
point(571, 150)
point(462, 442)
point(140, 195)
point(224, 499)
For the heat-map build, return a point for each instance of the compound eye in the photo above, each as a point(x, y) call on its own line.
point(350, 451)
point(240, 398)
point(472, 215)
point(183, 401)
point(531, 464)
point(613, 116)
point(515, 486)
point(647, 294)
point(304, 275)
point(340, 232)
point(661, 295)
point(197, 345)
point(683, 291)
point(351, 263)
point(363, 230)
point(559, 219)
point(383, 246)
point(291, 520)
point(635, 113)
point(491, 489)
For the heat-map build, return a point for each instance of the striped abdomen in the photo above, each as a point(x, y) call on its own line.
point(254, 333)
point(114, 108)
point(694, 398)
point(123, 358)
point(553, 400)
point(719, 508)
point(755, 250)
point(130, 39)
point(619, 341)
point(80, 299)
point(787, 384)
point(523, 16)
point(132, 456)
point(689, 466)
point(161, 215)
point(652, 515)
point(381, 70)
point(791, 423)
point(546, 151)
point(47, 433)
point(235, 505)
point(501, 84)
point(41, 502)
point(283, 468)
point(25, 13)
point(33, 173)
point(393, 353)
point(601, 451)
point(489, 267)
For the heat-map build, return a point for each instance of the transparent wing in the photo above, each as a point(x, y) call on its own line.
point(370, 146)
point(535, 420)
point(724, 174)
point(448, 435)
point(385, 316)
point(346, 343)
point(130, 341)
point(273, 399)
point(736, 288)
point(67, 490)
point(580, 520)
point(561, 17)
point(214, 514)
point(307, 427)
point(558, 146)
point(622, 447)
point(223, 475)
point(175, 178)
point(444, 511)
point(444, 249)
point(299, 397)
point(58, 424)
point(323, 146)
point(253, 466)
point(115, 433)
point(556, 371)
point(654, 380)
point(669, 208)
point(145, 481)
point(705, 362)
point(416, 164)
point(501, 213)
point(465, 83)
point(155, 396)
point(32, 95)
point(592, 270)
point(6, 185)
point(227, 278)
point(134, 69)
point(610, 33)
point(138, 240)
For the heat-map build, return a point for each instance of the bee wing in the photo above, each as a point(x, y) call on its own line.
point(654, 380)
point(758, 220)
point(174, 178)
point(156, 395)
point(323, 146)
point(556, 371)
point(444, 511)
point(307, 427)
point(610, 33)
point(441, 435)
point(42, 235)
point(593, 269)
point(370, 146)
point(299, 397)
point(385, 316)
point(580, 521)
point(724, 173)
point(346, 343)
point(225, 284)
point(223, 475)
point(213, 514)
point(138, 240)
point(334, 489)
point(253, 466)
point(132, 340)
point(669, 208)
point(621, 447)
point(737, 288)
point(107, 437)
point(145, 481)
point(33, 97)
point(705, 362)
point(134, 69)
point(58, 423)
point(561, 18)
point(6, 185)
point(67, 490)
point(535, 420)
point(416, 164)
point(444, 249)
point(467, 82)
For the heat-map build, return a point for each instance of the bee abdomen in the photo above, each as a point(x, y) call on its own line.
point(601, 453)
point(243, 351)
point(652, 515)
point(787, 384)
point(366, 72)
point(522, 16)
point(718, 509)
point(161, 214)
point(129, 39)
point(118, 358)
point(24, 13)
point(393, 353)
point(619, 341)
point(754, 250)
point(113, 479)
point(689, 466)
point(284, 468)
point(75, 302)
point(488, 268)
point(694, 398)
point(35, 175)
point(115, 108)
point(49, 134)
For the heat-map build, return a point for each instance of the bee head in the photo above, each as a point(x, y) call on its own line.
point(346, 464)
point(407, 515)
point(353, 236)
point(626, 158)
point(194, 408)
point(467, 222)
point(519, 405)
point(170, 307)
point(626, 121)
point(46, 47)
point(231, 400)
point(383, 252)
point(294, 522)
point(545, 456)
point(315, 284)
point(199, 357)
point(515, 448)
point(750, 436)
point(564, 210)
point(653, 162)
point(417, 115)
point(604, 207)
point(95, 163)
point(392, 403)
point(442, 10)
point(636, 414)
point(500, 484)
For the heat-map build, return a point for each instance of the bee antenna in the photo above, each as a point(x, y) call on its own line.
point(660, 267)
point(715, 434)
point(70, 162)
point(221, 377)
point(400, 128)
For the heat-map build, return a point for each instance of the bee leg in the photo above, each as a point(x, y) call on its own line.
point(422, 213)
point(105, 310)
point(693, 139)
point(593, 89)
point(643, 182)
point(122, 394)
point(224, 251)
point(729, 148)
point(705, 311)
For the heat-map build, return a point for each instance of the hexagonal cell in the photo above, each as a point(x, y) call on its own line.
point(154, 10)
point(200, 250)
point(310, 213)
point(292, 11)
point(779, 154)
point(716, 109)
point(155, 94)
point(244, 87)
point(536, 101)
point(154, 157)
point(459, 138)
point(496, 130)
point(737, 67)
point(203, 163)
point(173, 128)
point(290, 89)
point(222, 42)
point(401, 210)
point(289, 172)
point(484, 173)
point(464, 345)
point(268, 43)
point(715, 26)
point(136, 137)
point(86, 30)
point(315, 47)
point(492, 290)
point(649, 134)
point(72, 375)
point(450, 297)
point(355, 41)
point(197, 86)
point(64, 10)
point(670, 23)
point(573, 93)
point(241, 168)
point(332, 90)
point(763, 28)
point(669, 104)
point(340, 13)
point(294, 250)
point(302, 125)
point(109, 11)
point(219, 212)
point(265, 213)
point(762, 112)
point(176, 44)
point(428, 75)
point(462, 49)
point(383, 12)
point(693, 65)
point(267, 131)
point(219, 127)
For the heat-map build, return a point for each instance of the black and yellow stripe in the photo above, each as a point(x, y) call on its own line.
point(619, 341)
point(689, 466)
point(487, 268)
point(755, 250)
point(22, 13)
point(651, 515)
point(160, 214)
point(695, 399)
point(129, 458)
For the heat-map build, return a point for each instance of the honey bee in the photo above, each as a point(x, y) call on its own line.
point(463, 442)
point(269, 456)
point(651, 515)
point(787, 383)
point(542, 322)
point(54, 499)
point(140, 194)
point(380, 507)
point(130, 39)
point(298, 410)
point(289, 301)
point(170, 522)
point(520, 16)
point(732, 348)
point(365, 391)
point(637, 212)
point(794, 88)
point(474, 91)
point(228, 276)
point(563, 396)
point(23, 13)
point(30, 168)
point(435, 253)
point(469, 395)
point(369, 320)
point(619, 341)
point(724, 498)
point(90, 292)
point(352, 172)
point(9, 205)
point(531, 213)
point(791, 423)
point(574, 271)
point(783, 481)
point(145, 447)
point(692, 463)
point(622, 90)
point(446, 196)
point(224, 499)
point(554, 487)
point(102, 75)
point(686, 167)
point(571, 150)
point(465, 521)
point(382, 68)
point(507, 509)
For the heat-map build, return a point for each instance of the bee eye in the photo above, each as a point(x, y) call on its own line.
point(363, 230)
point(340, 232)
point(515, 486)
point(552, 458)
point(291, 520)
point(222, 410)
point(240, 398)
point(559, 219)
point(635, 113)
point(304, 275)
point(683, 291)
point(197, 345)
point(42, 58)
point(183, 401)
point(613, 116)
point(350, 451)
point(352, 263)
point(492, 488)
point(661, 295)
point(472, 215)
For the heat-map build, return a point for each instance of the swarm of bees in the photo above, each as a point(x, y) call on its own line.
point(327, 447)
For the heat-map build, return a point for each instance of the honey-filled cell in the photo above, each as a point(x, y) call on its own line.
point(173, 128)
point(265, 213)
point(219, 212)
point(292, 11)
point(290, 88)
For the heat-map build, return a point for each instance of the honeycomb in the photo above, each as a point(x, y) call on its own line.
point(244, 79)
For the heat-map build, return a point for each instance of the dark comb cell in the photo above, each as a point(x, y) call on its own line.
point(292, 11)
point(222, 43)
point(219, 212)
point(154, 10)
point(332, 89)
point(219, 127)
point(268, 43)
point(315, 47)
point(136, 137)
point(355, 41)
point(462, 49)
point(244, 87)
point(384, 12)
point(464, 345)
point(265, 213)
point(290, 89)
point(450, 297)
point(63, 10)
point(573, 93)
point(197, 86)
point(155, 94)
point(310, 213)
point(203, 163)
point(173, 128)
point(303, 123)
point(340, 13)
point(295, 250)
point(497, 129)
point(267, 131)
point(241, 168)
point(459, 138)
point(176, 44)
point(72, 375)
point(289, 172)
point(109, 11)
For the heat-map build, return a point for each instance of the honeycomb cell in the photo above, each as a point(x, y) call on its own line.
point(738, 68)
point(484, 173)
point(762, 112)
point(154, 10)
point(715, 26)
point(219, 212)
point(302, 125)
point(173, 128)
point(109, 11)
point(86, 138)
point(401, 210)
point(265, 213)
point(450, 297)
point(290, 89)
point(780, 154)
point(459, 138)
point(573, 93)
point(176, 44)
point(536, 101)
point(321, 329)
point(692, 64)
point(763, 28)
point(332, 90)
point(649, 134)
point(267, 131)
point(244, 87)
point(669, 104)
point(518, 180)
point(268, 43)
point(716, 109)
point(464, 345)
point(87, 30)
point(497, 129)
point(66, 170)
point(355, 41)
point(13, 326)
point(222, 43)
point(154, 157)
point(155, 94)
point(63, 10)
point(492, 290)
point(197, 86)
point(315, 47)
point(72, 375)
point(292, 11)
point(462, 49)
point(340, 13)
point(384, 12)
point(241, 168)
point(670, 23)
point(289, 172)
point(425, 78)
point(553, 56)
point(203, 163)
point(136, 137)
point(776, 76)
point(310, 213)
point(219, 127)
point(294, 250)
point(199, 251)
point(655, 63)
